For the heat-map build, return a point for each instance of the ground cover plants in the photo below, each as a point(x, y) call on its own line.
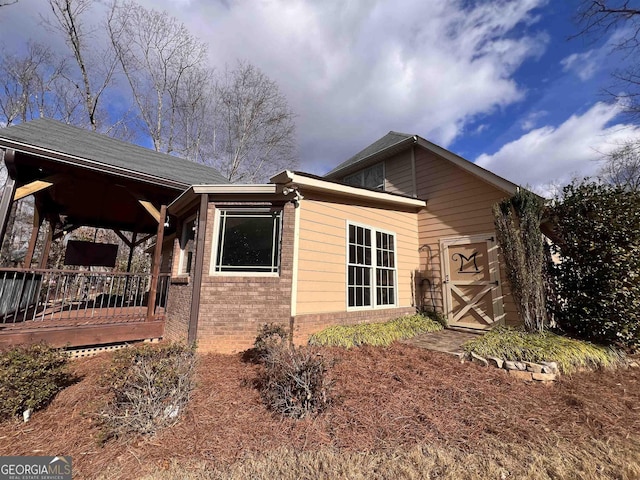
point(30, 377)
point(398, 411)
point(517, 345)
point(376, 334)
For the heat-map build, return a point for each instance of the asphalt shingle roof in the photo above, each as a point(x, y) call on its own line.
point(385, 142)
point(62, 138)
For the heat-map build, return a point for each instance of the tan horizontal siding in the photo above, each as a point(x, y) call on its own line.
point(321, 286)
point(399, 174)
point(458, 204)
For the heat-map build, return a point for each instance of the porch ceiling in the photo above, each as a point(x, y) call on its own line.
point(89, 198)
point(91, 179)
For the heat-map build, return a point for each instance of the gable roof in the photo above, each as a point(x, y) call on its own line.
point(54, 139)
point(389, 141)
point(395, 142)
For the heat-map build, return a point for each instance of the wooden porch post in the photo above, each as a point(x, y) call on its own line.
point(155, 267)
point(198, 269)
point(6, 199)
point(37, 222)
point(132, 246)
point(47, 244)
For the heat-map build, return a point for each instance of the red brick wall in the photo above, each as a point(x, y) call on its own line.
point(233, 307)
point(305, 325)
point(176, 325)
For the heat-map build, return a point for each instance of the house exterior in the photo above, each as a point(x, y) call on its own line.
point(402, 225)
point(457, 223)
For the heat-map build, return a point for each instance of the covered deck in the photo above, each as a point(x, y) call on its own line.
point(79, 179)
point(70, 308)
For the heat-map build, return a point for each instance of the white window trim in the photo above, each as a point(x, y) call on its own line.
point(181, 261)
point(216, 240)
point(374, 264)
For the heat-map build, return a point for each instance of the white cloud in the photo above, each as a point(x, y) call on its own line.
point(584, 65)
point(354, 70)
point(556, 154)
point(531, 120)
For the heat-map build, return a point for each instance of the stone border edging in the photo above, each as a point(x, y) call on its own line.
point(528, 371)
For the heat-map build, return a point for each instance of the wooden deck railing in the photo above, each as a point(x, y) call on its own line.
point(37, 295)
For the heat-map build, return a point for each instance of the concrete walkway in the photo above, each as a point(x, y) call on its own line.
point(448, 341)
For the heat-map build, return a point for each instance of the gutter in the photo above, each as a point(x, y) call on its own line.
point(296, 180)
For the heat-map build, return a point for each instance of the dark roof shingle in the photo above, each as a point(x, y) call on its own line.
point(385, 142)
point(66, 139)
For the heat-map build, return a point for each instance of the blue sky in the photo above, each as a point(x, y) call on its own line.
point(495, 81)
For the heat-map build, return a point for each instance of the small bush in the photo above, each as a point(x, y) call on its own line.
point(270, 336)
point(376, 334)
point(151, 385)
point(517, 345)
point(30, 377)
point(294, 381)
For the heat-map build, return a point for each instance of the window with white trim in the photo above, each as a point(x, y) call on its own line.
point(187, 246)
point(371, 267)
point(248, 241)
point(371, 177)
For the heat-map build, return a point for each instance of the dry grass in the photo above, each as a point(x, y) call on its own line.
point(562, 461)
point(391, 404)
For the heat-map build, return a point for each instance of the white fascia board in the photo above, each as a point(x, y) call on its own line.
point(249, 189)
point(308, 183)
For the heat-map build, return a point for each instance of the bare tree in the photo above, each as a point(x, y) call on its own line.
point(621, 167)
point(28, 84)
point(160, 59)
point(255, 128)
point(195, 121)
point(598, 18)
point(4, 4)
point(96, 66)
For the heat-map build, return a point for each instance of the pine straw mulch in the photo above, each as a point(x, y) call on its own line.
point(384, 398)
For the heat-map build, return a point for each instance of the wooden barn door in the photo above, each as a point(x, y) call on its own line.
point(471, 281)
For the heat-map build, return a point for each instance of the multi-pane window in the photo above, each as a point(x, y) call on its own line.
point(371, 267)
point(248, 241)
point(359, 281)
point(372, 177)
point(385, 269)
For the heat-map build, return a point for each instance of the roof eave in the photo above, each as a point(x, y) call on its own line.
point(89, 164)
point(186, 198)
point(304, 183)
point(374, 157)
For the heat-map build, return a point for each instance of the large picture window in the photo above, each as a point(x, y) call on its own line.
point(248, 241)
point(371, 267)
